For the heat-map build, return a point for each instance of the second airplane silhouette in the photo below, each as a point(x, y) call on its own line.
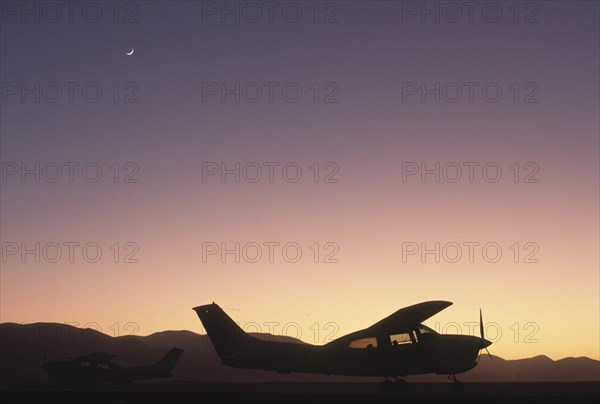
point(98, 367)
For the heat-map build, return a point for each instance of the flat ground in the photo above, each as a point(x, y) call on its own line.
point(196, 392)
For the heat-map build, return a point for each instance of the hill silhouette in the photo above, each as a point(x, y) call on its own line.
point(23, 346)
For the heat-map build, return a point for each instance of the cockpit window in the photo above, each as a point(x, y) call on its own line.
point(400, 339)
point(364, 343)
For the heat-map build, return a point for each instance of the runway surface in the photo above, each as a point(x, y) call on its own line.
point(195, 392)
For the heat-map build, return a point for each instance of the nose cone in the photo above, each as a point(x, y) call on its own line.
point(485, 343)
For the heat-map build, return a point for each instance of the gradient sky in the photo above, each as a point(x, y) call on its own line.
point(368, 134)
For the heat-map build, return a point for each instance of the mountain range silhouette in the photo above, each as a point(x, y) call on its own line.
point(23, 347)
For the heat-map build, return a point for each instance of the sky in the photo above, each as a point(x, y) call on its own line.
point(310, 167)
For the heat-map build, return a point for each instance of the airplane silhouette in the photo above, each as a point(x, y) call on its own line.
point(398, 345)
point(98, 367)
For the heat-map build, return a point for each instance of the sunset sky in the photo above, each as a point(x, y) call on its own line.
point(363, 121)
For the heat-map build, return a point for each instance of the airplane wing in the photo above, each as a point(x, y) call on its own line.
point(408, 317)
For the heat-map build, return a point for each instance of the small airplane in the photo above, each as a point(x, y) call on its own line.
point(399, 345)
point(98, 367)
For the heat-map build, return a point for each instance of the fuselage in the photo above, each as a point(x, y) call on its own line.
point(429, 353)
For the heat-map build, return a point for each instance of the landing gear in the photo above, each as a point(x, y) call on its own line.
point(395, 385)
point(457, 386)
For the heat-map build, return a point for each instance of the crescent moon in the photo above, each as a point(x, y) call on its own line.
point(130, 52)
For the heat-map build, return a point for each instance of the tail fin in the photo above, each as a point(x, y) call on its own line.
point(226, 336)
point(168, 362)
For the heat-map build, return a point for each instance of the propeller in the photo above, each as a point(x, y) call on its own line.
point(482, 335)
